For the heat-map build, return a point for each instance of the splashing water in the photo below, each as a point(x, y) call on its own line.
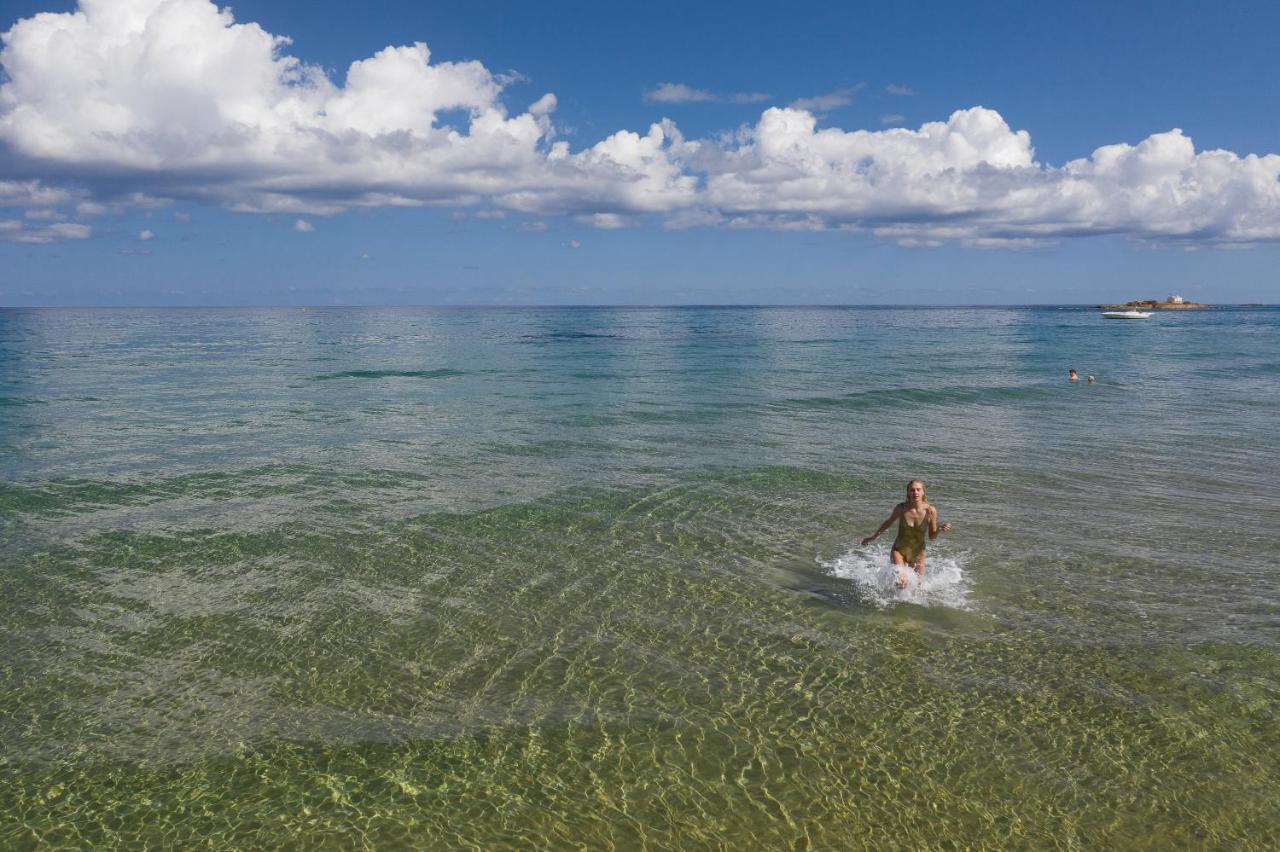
point(869, 568)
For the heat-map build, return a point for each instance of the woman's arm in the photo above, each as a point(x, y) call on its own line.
point(936, 529)
point(897, 510)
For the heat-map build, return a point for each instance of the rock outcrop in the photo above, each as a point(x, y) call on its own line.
point(1152, 305)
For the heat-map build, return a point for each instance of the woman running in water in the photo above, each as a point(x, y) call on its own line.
point(915, 516)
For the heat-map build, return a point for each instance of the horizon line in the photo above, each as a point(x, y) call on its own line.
point(620, 305)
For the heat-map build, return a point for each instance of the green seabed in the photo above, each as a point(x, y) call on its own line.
point(592, 670)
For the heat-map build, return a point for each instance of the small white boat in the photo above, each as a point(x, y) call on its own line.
point(1126, 314)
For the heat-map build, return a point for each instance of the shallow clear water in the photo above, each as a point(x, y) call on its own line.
point(582, 577)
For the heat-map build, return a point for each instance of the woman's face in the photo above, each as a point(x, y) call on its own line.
point(915, 491)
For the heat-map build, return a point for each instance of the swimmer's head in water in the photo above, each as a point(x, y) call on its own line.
point(915, 491)
point(1072, 374)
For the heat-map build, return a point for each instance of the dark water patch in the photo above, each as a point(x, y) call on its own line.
point(74, 496)
point(896, 398)
point(568, 336)
point(782, 478)
point(922, 397)
point(593, 374)
point(675, 416)
point(15, 401)
point(588, 420)
point(552, 449)
point(77, 495)
point(442, 373)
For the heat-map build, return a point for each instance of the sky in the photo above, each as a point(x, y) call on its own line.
point(174, 152)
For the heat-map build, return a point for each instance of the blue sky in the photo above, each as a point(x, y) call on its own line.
point(154, 152)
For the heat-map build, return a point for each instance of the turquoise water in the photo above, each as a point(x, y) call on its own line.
point(591, 578)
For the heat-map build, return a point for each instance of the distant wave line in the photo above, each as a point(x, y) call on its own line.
point(442, 373)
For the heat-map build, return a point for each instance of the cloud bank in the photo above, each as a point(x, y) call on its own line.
point(141, 102)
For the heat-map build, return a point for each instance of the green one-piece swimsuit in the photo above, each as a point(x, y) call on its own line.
point(910, 541)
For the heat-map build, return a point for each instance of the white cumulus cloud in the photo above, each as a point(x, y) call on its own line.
point(302, 226)
point(181, 101)
point(974, 179)
point(138, 103)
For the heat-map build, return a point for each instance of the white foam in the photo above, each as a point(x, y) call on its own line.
point(869, 569)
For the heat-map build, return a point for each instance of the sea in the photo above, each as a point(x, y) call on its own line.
point(591, 578)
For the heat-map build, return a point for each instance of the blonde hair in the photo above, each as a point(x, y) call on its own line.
point(924, 492)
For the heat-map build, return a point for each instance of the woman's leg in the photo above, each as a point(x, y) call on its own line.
point(919, 564)
point(900, 561)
